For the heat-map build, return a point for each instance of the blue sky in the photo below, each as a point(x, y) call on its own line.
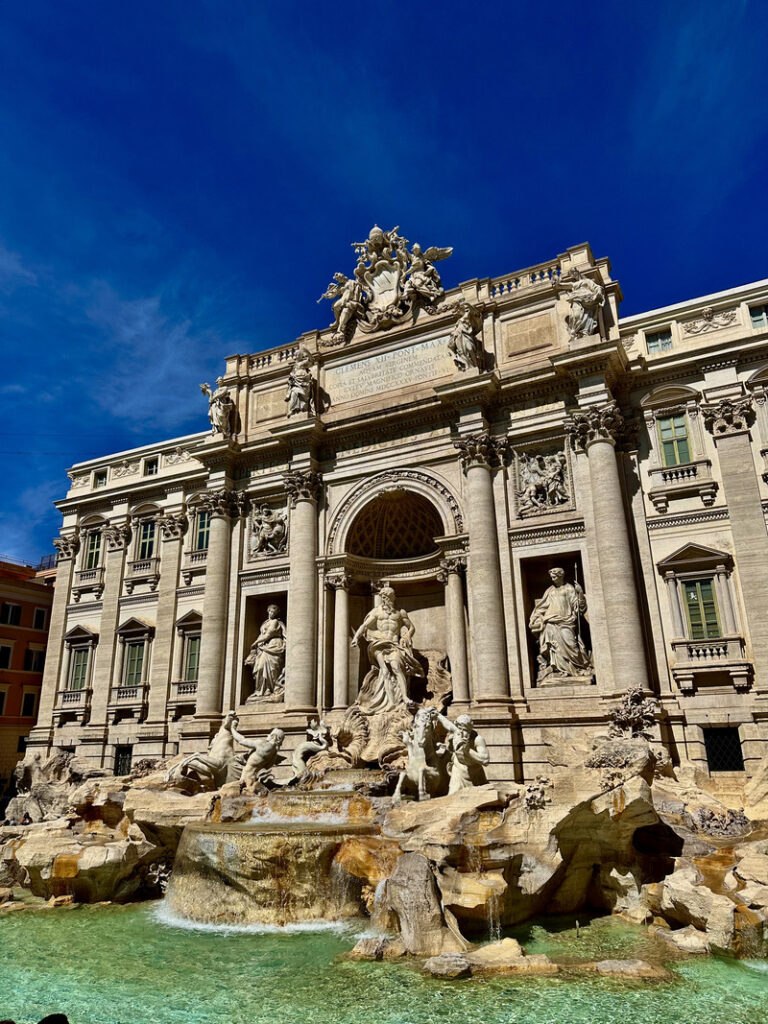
point(179, 180)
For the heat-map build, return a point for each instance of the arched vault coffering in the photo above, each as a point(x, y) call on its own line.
point(395, 515)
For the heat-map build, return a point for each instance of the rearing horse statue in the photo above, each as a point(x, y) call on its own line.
point(425, 768)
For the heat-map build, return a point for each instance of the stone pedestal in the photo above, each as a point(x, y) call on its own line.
point(301, 650)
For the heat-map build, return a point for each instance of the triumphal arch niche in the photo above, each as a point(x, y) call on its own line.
point(401, 530)
point(496, 498)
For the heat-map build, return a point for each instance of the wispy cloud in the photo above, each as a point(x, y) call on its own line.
point(153, 361)
point(13, 273)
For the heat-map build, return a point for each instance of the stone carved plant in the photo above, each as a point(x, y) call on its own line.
point(634, 715)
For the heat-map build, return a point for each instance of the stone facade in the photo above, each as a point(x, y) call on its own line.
point(632, 454)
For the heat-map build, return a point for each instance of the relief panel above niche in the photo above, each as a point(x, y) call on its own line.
point(527, 337)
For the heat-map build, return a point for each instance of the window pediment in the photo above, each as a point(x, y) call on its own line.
point(669, 395)
point(695, 558)
point(135, 629)
point(79, 636)
point(190, 623)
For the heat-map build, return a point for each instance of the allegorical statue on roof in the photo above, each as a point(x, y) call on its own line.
point(586, 298)
point(391, 282)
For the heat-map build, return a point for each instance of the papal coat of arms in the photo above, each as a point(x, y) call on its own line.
point(390, 284)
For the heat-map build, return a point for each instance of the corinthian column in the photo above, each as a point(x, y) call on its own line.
point(729, 423)
point(450, 574)
point(221, 505)
point(479, 456)
point(339, 583)
point(595, 431)
point(301, 651)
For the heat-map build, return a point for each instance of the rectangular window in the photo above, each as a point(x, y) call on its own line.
point(150, 467)
point(123, 758)
point(673, 434)
point(34, 661)
point(134, 662)
point(28, 705)
point(723, 748)
point(192, 659)
point(6, 653)
point(2, 702)
point(100, 478)
point(21, 744)
point(40, 618)
point(202, 531)
point(10, 614)
point(759, 316)
point(701, 608)
point(146, 540)
point(93, 550)
point(658, 341)
point(78, 668)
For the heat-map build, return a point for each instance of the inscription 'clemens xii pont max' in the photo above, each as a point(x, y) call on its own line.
point(386, 371)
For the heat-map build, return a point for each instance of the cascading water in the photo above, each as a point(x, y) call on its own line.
point(280, 868)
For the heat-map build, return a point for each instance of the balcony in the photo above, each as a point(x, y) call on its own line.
point(88, 581)
point(690, 478)
point(143, 570)
point(183, 698)
point(128, 702)
point(72, 706)
point(711, 662)
point(193, 565)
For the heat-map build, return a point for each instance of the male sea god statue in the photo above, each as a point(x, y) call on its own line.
point(555, 623)
point(389, 633)
point(266, 658)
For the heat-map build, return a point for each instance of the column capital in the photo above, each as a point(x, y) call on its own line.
point(302, 485)
point(224, 503)
point(117, 535)
point(450, 567)
point(729, 416)
point(173, 525)
point(481, 450)
point(598, 423)
point(337, 581)
point(67, 545)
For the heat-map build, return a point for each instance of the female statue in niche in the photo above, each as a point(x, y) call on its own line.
point(555, 624)
point(266, 657)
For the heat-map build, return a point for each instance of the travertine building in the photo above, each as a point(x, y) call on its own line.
point(458, 446)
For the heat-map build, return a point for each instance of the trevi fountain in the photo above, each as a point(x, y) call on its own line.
point(433, 777)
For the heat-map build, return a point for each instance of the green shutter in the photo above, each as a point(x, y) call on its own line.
point(701, 607)
point(134, 661)
point(192, 661)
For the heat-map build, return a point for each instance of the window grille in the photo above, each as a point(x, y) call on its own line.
point(658, 341)
point(759, 316)
point(723, 748)
point(123, 759)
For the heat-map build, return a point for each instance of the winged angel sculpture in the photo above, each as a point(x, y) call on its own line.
point(391, 283)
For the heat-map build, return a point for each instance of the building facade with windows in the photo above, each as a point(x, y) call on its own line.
point(25, 607)
point(457, 446)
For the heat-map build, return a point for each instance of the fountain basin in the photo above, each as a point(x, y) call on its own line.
point(276, 873)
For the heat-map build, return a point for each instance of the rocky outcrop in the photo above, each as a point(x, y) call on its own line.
point(494, 958)
point(44, 788)
point(413, 897)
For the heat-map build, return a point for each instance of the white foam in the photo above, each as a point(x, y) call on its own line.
point(270, 817)
point(165, 916)
point(761, 966)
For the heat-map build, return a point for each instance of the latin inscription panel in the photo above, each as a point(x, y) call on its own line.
point(389, 371)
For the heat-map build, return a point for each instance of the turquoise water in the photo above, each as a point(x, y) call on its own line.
point(121, 965)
